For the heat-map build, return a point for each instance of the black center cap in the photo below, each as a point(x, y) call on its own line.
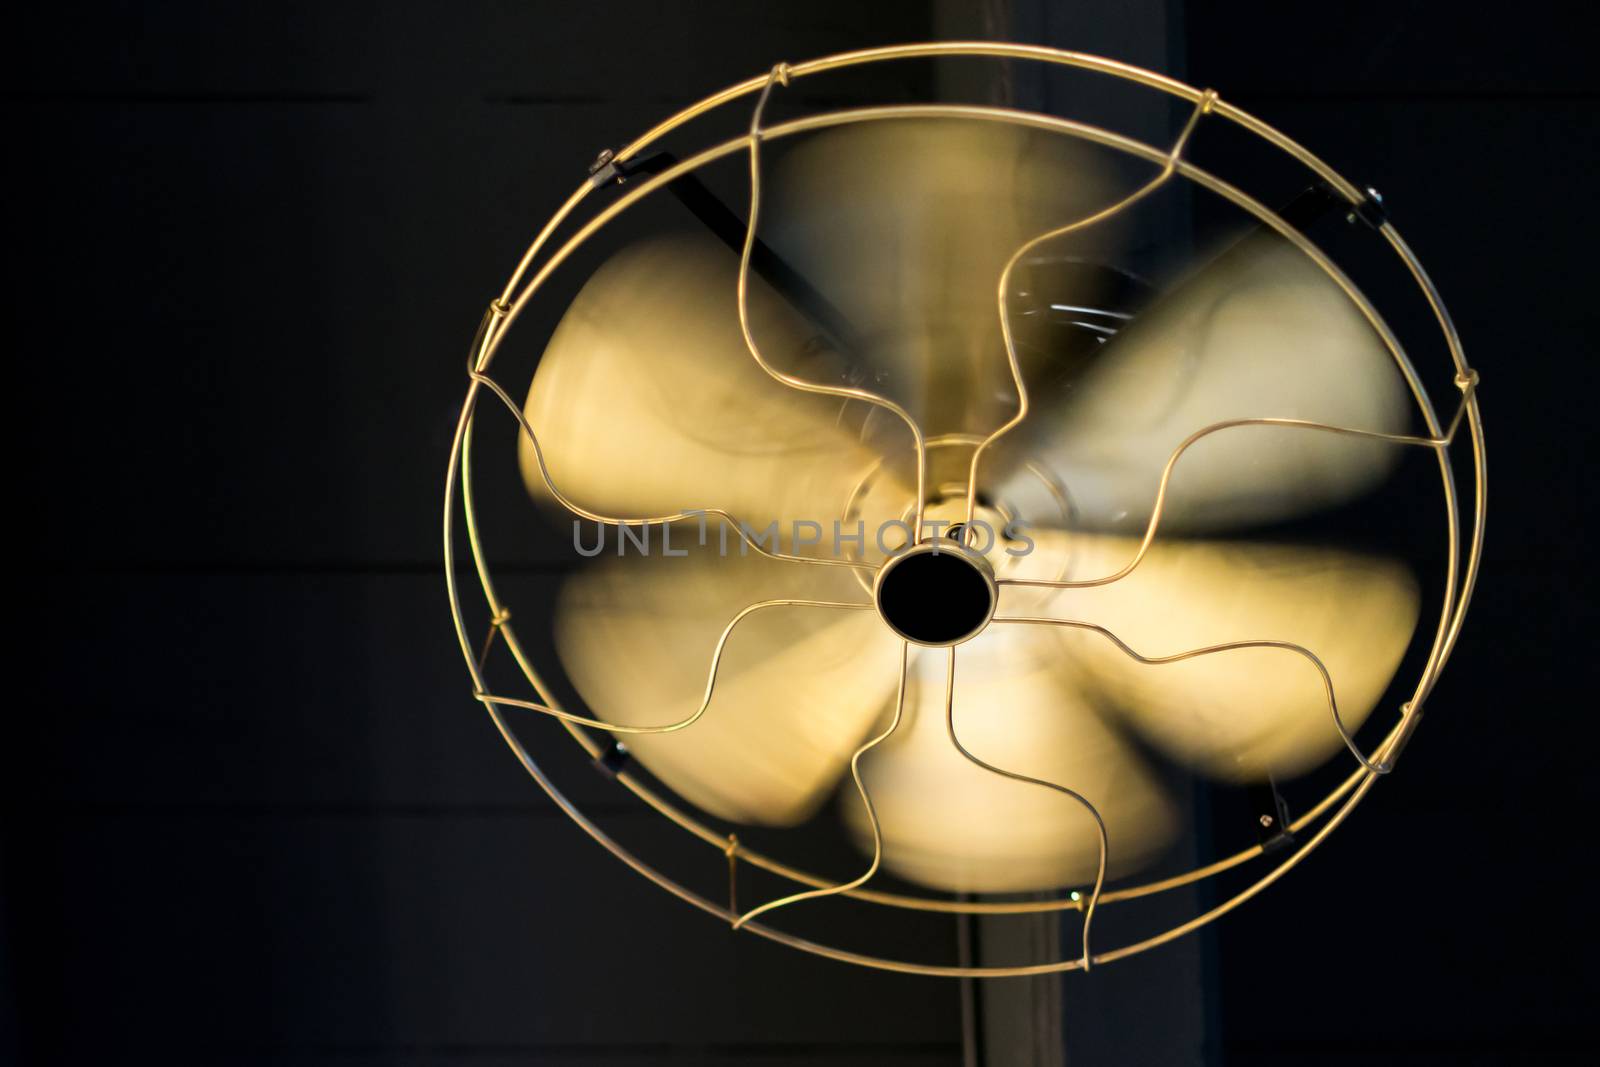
point(938, 593)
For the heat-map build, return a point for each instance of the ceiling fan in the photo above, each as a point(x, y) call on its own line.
point(922, 505)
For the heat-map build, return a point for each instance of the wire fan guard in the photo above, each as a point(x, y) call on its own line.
point(1464, 531)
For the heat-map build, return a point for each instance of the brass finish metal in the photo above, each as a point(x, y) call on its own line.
point(1087, 959)
point(1207, 101)
point(872, 813)
point(1464, 548)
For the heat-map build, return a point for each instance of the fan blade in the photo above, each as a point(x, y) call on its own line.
point(1240, 714)
point(647, 401)
point(950, 824)
point(905, 227)
point(1260, 332)
point(797, 689)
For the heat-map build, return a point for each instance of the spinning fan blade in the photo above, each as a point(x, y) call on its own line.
point(950, 824)
point(797, 690)
point(647, 401)
point(1260, 332)
point(905, 227)
point(1245, 713)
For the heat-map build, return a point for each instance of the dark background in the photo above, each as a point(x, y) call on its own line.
point(252, 813)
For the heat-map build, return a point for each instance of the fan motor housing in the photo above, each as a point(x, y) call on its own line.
point(938, 592)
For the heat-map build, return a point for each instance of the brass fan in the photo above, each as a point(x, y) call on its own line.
point(919, 505)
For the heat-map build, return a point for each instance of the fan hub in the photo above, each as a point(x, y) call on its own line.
point(937, 593)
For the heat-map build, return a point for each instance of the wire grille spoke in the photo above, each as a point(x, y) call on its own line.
point(1467, 384)
point(1100, 823)
point(866, 798)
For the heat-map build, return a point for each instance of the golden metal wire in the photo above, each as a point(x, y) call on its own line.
point(1461, 573)
point(1207, 101)
point(479, 378)
point(1467, 383)
point(1228, 646)
point(1099, 822)
point(866, 799)
point(780, 75)
point(711, 677)
point(732, 852)
point(1057, 492)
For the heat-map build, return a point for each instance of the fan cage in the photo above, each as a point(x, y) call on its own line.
point(1463, 554)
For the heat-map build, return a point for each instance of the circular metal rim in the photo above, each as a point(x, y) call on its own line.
point(642, 189)
point(1454, 602)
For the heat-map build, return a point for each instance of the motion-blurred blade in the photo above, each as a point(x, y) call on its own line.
point(905, 227)
point(647, 401)
point(797, 689)
point(1245, 713)
point(950, 824)
point(1260, 332)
